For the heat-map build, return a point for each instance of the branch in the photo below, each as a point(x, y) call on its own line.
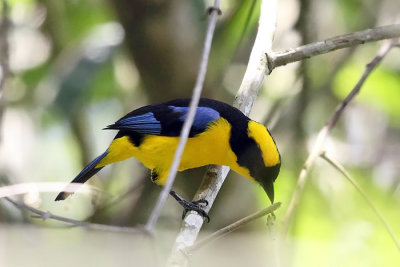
point(343, 41)
point(215, 176)
point(91, 226)
point(4, 52)
point(325, 131)
point(25, 188)
point(257, 69)
point(343, 171)
point(234, 226)
point(214, 12)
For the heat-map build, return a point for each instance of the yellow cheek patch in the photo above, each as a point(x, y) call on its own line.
point(264, 140)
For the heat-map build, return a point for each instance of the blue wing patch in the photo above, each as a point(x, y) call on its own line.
point(204, 115)
point(165, 120)
point(145, 124)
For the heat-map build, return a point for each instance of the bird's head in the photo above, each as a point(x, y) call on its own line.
point(265, 176)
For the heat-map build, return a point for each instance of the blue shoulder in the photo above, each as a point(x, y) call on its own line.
point(204, 116)
point(165, 120)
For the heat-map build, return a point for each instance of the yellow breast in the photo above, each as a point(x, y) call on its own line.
point(210, 147)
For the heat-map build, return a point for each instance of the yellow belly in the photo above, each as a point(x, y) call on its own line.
point(157, 152)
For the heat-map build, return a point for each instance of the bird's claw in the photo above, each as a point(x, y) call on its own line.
point(201, 201)
point(195, 206)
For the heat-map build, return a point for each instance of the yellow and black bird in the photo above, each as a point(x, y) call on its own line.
point(221, 135)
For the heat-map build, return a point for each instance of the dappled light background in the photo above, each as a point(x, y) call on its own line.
point(77, 66)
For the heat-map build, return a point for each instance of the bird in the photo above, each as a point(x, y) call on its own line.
point(221, 134)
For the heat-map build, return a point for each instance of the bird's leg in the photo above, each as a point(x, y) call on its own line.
point(191, 205)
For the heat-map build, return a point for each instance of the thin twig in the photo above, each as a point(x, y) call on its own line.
point(4, 56)
point(343, 171)
point(325, 131)
point(26, 188)
point(91, 226)
point(282, 58)
point(234, 226)
point(213, 16)
point(215, 176)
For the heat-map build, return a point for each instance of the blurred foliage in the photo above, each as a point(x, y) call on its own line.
point(381, 91)
point(77, 66)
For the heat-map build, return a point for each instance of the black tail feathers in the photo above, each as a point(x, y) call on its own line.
point(83, 176)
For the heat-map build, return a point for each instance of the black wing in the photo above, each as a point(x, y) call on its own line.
point(165, 120)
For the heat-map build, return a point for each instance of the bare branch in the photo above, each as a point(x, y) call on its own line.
point(91, 226)
point(325, 131)
point(257, 69)
point(215, 176)
point(25, 188)
point(234, 226)
point(278, 59)
point(213, 15)
point(4, 50)
point(343, 171)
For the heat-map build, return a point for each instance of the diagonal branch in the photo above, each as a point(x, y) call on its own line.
point(380, 216)
point(4, 56)
point(234, 226)
point(25, 188)
point(325, 131)
point(91, 226)
point(214, 12)
point(282, 58)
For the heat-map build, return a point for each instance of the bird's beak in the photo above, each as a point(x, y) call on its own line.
point(269, 189)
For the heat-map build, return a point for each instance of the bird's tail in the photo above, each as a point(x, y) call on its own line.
point(91, 169)
point(121, 148)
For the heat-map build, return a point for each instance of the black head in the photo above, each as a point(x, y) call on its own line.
point(266, 177)
point(251, 157)
point(257, 151)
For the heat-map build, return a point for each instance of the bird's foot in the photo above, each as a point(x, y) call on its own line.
point(197, 206)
